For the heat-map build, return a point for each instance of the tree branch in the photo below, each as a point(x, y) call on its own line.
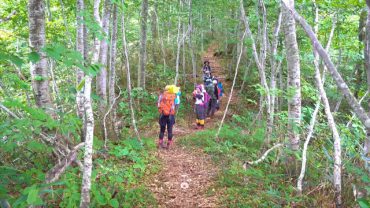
point(263, 156)
point(11, 15)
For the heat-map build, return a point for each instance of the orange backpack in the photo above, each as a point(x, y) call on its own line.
point(167, 104)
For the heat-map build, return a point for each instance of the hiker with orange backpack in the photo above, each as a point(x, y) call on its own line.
point(166, 108)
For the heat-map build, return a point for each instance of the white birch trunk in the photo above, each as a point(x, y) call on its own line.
point(95, 58)
point(318, 103)
point(201, 34)
point(86, 175)
point(274, 65)
point(178, 50)
point(80, 46)
point(39, 70)
point(128, 76)
point(294, 80)
point(112, 74)
point(260, 62)
point(191, 48)
point(337, 146)
point(89, 123)
point(161, 41)
point(143, 26)
point(102, 77)
point(367, 66)
point(184, 56)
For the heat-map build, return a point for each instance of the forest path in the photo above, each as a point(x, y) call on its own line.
point(187, 175)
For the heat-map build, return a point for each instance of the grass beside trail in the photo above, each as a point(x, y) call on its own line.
point(263, 185)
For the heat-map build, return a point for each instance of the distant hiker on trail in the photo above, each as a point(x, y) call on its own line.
point(207, 79)
point(200, 99)
point(177, 100)
point(220, 92)
point(206, 67)
point(166, 108)
point(213, 94)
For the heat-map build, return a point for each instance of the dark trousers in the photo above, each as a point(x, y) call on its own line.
point(211, 107)
point(166, 121)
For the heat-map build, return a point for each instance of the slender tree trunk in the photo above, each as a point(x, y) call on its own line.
point(102, 77)
point(246, 72)
point(191, 47)
point(201, 34)
point(95, 58)
point(112, 76)
point(89, 123)
point(143, 26)
point(128, 76)
point(178, 50)
point(280, 100)
point(80, 46)
point(86, 175)
point(294, 79)
point(274, 65)
point(183, 56)
point(260, 61)
point(161, 40)
point(367, 66)
point(154, 29)
point(39, 70)
point(318, 103)
point(337, 146)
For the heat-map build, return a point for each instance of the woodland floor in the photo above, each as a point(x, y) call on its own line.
point(187, 176)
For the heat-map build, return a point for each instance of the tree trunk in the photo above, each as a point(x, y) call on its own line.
point(201, 34)
point(142, 61)
point(178, 50)
point(367, 66)
point(331, 122)
point(337, 146)
point(86, 174)
point(154, 29)
point(294, 80)
point(102, 77)
point(80, 46)
point(191, 48)
point(39, 70)
point(95, 58)
point(112, 76)
point(260, 61)
point(128, 76)
point(161, 40)
point(246, 72)
point(183, 56)
point(89, 123)
point(274, 67)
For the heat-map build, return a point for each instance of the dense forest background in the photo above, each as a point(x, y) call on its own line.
point(79, 82)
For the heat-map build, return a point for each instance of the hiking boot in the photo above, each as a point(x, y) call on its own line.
point(160, 143)
point(169, 143)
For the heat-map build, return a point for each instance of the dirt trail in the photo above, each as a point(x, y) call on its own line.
point(188, 175)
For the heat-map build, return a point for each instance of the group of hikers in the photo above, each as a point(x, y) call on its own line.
point(206, 98)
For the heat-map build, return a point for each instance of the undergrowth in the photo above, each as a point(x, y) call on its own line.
point(269, 183)
point(118, 171)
